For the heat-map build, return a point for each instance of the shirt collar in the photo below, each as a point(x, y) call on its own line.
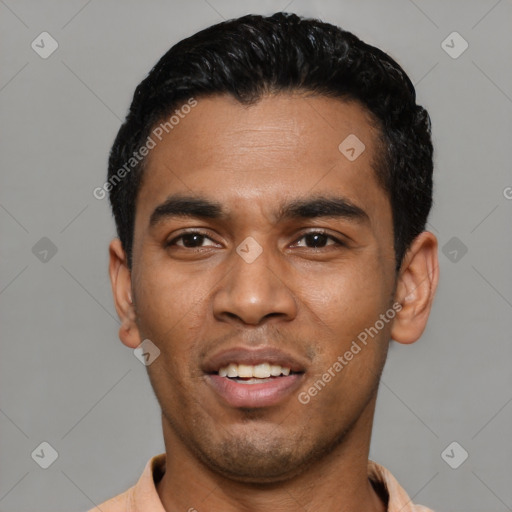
point(145, 496)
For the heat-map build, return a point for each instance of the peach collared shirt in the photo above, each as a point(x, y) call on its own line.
point(143, 497)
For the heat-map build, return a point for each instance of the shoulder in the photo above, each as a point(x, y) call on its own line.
point(398, 499)
point(143, 495)
point(119, 503)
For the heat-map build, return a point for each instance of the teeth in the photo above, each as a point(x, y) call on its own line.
point(275, 370)
point(261, 371)
point(233, 370)
point(258, 371)
point(244, 370)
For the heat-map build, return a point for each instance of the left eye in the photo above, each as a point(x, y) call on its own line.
point(318, 240)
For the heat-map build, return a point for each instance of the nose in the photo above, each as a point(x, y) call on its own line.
point(254, 291)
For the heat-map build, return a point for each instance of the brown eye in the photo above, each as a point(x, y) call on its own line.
point(191, 240)
point(317, 240)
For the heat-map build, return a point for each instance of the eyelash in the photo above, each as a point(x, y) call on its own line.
point(309, 233)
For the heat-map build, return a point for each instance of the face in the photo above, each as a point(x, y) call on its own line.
point(278, 258)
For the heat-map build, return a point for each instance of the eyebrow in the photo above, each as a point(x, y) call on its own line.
point(308, 208)
point(186, 206)
point(322, 206)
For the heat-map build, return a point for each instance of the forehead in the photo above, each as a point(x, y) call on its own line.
point(251, 158)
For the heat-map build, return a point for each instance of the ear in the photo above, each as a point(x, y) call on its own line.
point(416, 287)
point(120, 278)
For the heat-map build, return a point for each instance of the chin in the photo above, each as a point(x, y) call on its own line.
point(264, 461)
point(256, 468)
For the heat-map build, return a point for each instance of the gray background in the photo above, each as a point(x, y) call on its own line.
point(66, 378)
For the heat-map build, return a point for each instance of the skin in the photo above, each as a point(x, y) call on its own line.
point(309, 301)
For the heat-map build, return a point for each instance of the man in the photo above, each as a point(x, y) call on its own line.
point(270, 187)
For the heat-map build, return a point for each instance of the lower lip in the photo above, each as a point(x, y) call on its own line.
point(255, 395)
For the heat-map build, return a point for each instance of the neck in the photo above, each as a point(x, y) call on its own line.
point(336, 483)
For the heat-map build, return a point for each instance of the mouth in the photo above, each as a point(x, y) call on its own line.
point(252, 379)
point(254, 374)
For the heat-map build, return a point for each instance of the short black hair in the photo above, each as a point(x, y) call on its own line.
point(254, 55)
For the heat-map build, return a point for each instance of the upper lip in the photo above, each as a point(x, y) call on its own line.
point(252, 356)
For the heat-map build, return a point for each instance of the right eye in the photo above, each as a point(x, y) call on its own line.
point(190, 240)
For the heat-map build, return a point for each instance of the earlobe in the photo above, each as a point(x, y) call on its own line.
point(416, 287)
point(120, 279)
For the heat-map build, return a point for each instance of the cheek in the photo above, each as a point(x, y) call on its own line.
point(171, 313)
point(166, 293)
point(171, 308)
point(348, 300)
point(343, 305)
point(349, 360)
